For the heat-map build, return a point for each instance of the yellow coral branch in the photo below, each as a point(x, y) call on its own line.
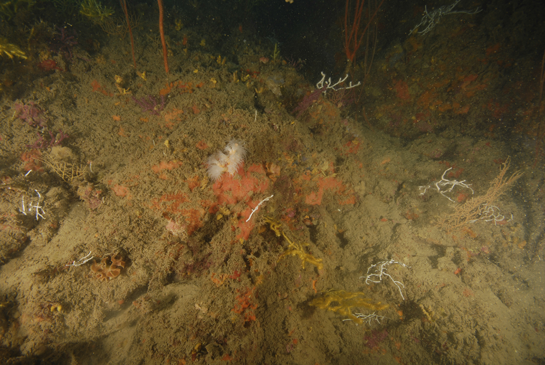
point(95, 11)
point(342, 302)
point(10, 50)
point(294, 248)
point(8, 9)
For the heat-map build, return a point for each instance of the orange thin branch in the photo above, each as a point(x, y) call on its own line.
point(124, 7)
point(161, 31)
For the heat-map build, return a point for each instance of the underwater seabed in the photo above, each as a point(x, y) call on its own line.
point(322, 242)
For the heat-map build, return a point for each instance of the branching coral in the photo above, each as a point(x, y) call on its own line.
point(66, 171)
point(342, 302)
point(479, 207)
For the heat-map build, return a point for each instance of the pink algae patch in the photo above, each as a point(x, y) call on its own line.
point(175, 228)
point(246, 227)
point(462, 110)
point(164, 165)
point(201, 145)
point(177, 208)
point(233, 189)
point(193, 182)
point(402, 90)
point(334, 185)
point(120, 190)
point(240, 188)
point(315, 198)
point(352, 146)
point(330, 183)
point(170, 202)
point(193, 217)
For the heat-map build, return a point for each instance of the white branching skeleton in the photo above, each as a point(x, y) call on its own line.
point(83, 260)
point(33, 208)
point(445, 183)
point(377, 271)
point(491, 213)
point(328, 85)
point(368, 318)
point(431, 19)
point(257, 207)
point(486, 212)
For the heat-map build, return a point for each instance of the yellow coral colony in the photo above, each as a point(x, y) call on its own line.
point(179, 24)
point(95, 11)
point(294, 248)
point(275, 226)
point(276, 52)
point(342, 302)
point(10, 50)
point(8, 9)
